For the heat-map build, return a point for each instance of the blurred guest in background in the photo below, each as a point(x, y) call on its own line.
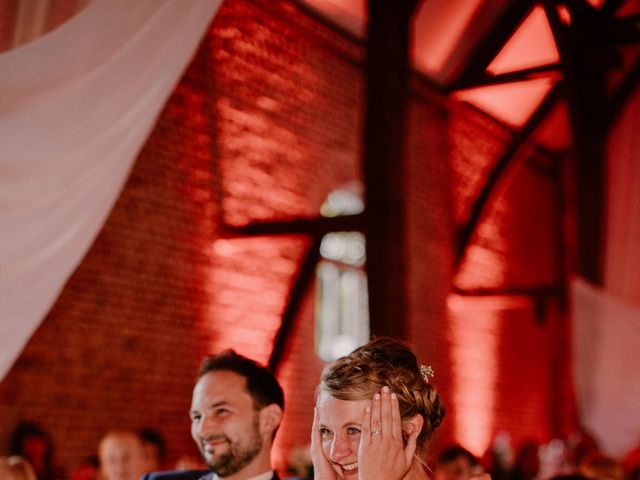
point(155, 449)
point(580, 445)
point(456, 463)
point(527, 461)
point(30, 441)
point(569, 476)
point(498, 460)
point(632, 463)
point(601, 467)
point(89, 469)
point(16, 468)
point(122, 456)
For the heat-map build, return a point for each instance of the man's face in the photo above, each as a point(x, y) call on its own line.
point(224, 422)
point(458, 469)
point(121, 457)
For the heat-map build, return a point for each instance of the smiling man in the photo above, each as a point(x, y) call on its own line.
point(236, 409)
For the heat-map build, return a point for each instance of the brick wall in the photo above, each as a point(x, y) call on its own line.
point(508, 352)
point(264, 124)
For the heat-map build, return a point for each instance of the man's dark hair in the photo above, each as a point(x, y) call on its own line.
point(455, 452)
point(261, 383)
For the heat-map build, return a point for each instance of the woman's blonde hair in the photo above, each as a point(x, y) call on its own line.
point(16, 468)
point(385, 361)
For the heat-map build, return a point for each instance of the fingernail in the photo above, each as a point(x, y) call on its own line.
point(367, 409)
point(376, 396)
point(394, 396)
point(385, 389)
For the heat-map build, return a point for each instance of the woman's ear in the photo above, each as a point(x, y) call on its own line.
point(413, 425)
point(270, 418)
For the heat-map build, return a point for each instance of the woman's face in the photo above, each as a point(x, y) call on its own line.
point(340, 422)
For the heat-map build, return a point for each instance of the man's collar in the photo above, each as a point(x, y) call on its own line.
point(263, 476)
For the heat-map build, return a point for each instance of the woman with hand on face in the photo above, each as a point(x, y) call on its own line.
point(375, 411)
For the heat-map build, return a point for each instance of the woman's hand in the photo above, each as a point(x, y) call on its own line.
point(322, 469)
point(381, 453)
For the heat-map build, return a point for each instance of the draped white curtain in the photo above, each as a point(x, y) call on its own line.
point(607, 321)
point(606, 366)
point(76, 106)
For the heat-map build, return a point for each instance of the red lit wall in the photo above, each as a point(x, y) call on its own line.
point(264, 124)
point(508, 353)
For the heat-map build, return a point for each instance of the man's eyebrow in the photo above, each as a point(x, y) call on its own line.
point(219, 404)
point(213, 405)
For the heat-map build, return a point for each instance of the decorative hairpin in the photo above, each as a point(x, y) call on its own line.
point(426, 372)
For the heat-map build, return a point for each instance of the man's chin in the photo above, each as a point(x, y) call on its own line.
point(212, 459)
point(214, 462)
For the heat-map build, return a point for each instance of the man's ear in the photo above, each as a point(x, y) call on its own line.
point(270, 418)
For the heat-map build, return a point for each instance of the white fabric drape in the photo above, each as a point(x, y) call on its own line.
point(607, 321)
point(622, 261)
point(606, 360)
point(76, 106)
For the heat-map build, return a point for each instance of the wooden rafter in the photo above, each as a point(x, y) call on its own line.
point(297, 293)
point(504, 162)
point(585, 57)
point(551, 290)
point(309, 226)
point(627, 87)
point(524, 74)
point(497, 37)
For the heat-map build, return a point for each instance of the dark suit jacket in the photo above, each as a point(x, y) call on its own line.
point(177, 475)
point(185, 475)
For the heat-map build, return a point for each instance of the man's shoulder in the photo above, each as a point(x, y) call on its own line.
point(177, 475)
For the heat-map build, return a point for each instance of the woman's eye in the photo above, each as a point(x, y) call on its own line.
point(353, 431)
point(325, 433)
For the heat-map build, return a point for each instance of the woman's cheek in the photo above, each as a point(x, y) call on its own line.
point(355, 444)
point(326, 448)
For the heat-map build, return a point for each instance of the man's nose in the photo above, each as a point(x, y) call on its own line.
point(340, 448)
point(207, 426)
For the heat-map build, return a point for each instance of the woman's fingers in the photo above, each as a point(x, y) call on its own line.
point(376, 424)
point(314, 427)
point(382, 453)
point(386, 419)
point(315, 433)
point(365, 432)
point(396, 421)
